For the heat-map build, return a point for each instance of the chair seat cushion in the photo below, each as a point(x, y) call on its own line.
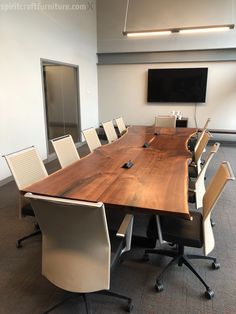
point(27, 210)
point(192, 171)
point(192, 143)
point(179, 231)
point(191, 194)
point(191, 184)
point(191, 197)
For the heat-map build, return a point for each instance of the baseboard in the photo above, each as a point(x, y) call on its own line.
point(223, 142)
point(6, 180)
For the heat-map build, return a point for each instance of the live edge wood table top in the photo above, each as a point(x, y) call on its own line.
point(157, 182)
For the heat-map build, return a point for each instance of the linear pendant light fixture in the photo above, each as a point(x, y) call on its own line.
point(180, 30)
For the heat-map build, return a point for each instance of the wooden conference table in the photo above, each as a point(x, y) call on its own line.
point(157, 182)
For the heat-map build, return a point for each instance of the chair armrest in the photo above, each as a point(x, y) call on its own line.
point(127, 221)
point(159, 231)
point(125, 231)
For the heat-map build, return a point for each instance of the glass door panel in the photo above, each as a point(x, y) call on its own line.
point(61, 100)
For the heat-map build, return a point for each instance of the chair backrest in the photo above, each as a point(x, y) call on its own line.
point(206, 123)
point(199, 149)
point(76, 246)
point(109, 131)
point(200, 182)
point(92, 139)
point(121, 125)
point(26, 167)
point(65, 149)
point(200, 134)
point(165, 121)
point(213, 192)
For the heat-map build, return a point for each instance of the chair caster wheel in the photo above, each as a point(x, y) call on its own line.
point(213, 223)
point(215, 265)
point(209, 294)
point(18, 245)
point(146, 257)
point(159, 286)
point(130, 307)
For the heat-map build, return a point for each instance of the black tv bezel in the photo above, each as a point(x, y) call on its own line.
point(152, 99)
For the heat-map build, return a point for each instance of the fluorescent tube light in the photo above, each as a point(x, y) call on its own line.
point(181, 30)
point(205, 30)
point(148, 33)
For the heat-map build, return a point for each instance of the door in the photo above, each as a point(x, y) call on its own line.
point(61, 102)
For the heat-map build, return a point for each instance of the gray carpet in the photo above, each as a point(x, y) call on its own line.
point(23, 290)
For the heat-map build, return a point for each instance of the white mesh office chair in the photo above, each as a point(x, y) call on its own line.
point(65, 149)
point(206, 123)
point(79, 259)
point(165, 121)
point(27, 168)
point(196, 233)
point(92, 139)
point(197, 188)
point(110, 131)
point(121, 125)
point(195, 138)
point(195, 166)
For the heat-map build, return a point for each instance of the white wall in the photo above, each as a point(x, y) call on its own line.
point(26, 36)
point(158, 14)
point(123, 92)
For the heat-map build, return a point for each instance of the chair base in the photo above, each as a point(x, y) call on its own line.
point(87, 303)
point(178, 257)
point(33, 234)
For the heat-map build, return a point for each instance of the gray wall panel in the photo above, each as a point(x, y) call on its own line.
point(168, 56)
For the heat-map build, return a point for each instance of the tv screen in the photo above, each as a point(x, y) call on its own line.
point(177, 85)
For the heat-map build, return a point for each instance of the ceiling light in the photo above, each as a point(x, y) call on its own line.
point(181, 30)
point(147, 33)
point(206, 29)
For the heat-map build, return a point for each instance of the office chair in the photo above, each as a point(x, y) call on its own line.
point(195, 233)
point(110, 131)
point(65, 149)
point(165, 121)
point(195, 166)
point(80, 258)
point(206, 123)
point(121, 125)
point(92, 139)
point(195, 138)
point(197, 188)
point(27, 168)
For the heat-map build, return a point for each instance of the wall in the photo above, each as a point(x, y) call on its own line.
point(26, 36)
point(123, 92)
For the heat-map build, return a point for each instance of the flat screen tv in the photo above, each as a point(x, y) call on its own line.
point(177, 85)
